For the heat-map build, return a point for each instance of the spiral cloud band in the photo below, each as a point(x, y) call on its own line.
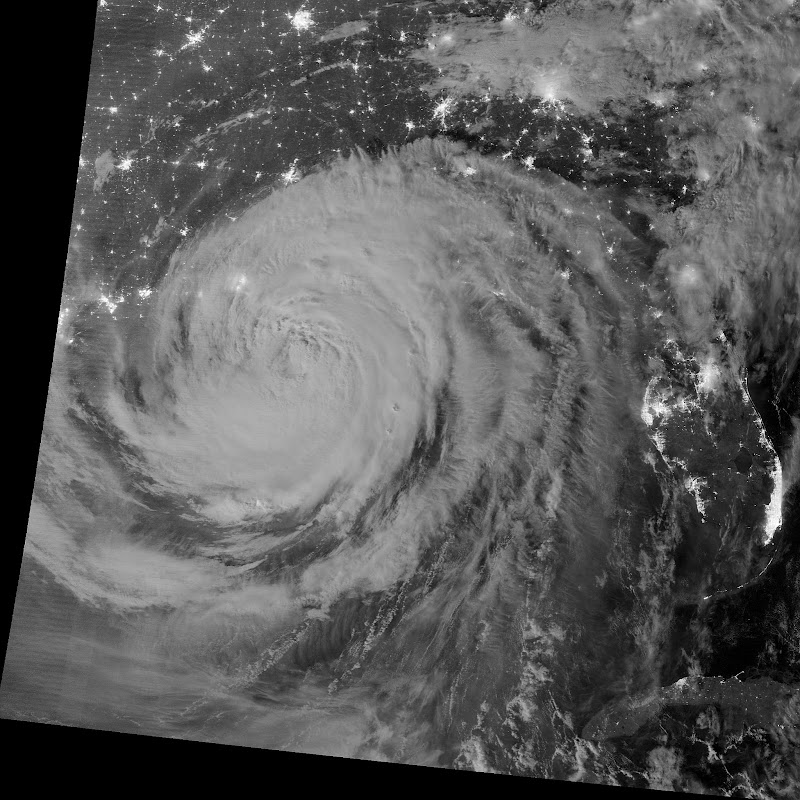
point(291, 362)
point(401, 394)
point(425, 389)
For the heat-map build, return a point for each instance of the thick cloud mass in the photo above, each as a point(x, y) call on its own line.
point(431, 455)
point(375, 453)
point(354, 352)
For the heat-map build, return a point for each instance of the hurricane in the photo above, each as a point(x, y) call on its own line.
point(425, 454)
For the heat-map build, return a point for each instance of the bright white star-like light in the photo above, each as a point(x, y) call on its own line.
point(443, 108)
point(194, 38)
point(301, 20)
point(292, 175)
